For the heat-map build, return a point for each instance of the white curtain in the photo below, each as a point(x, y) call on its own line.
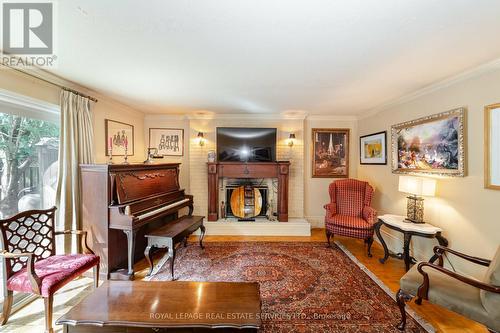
point(76, 147)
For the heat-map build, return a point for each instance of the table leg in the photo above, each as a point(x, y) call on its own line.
point(443, 242)
point(171, 254)
point(131, 251)
point(406, 250)
point(377, 226)
point(147, 254)
point(202, 235)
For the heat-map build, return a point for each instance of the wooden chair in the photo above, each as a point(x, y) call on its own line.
point(30, 262)
point(475, 299)
point(349, 213)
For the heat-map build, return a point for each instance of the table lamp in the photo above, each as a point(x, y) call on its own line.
point(416, 187)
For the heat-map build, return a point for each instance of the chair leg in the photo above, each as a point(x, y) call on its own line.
point(328, 235)
point(7, 307)
point(369, 241)
point(49, 302)
point(401, 298)
point(96, 276)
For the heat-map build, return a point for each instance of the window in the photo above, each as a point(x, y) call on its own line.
point(29, 144)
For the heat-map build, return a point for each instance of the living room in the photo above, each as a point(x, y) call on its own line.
point(250, 166)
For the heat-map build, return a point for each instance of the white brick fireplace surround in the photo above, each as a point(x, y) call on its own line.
point(198, 179)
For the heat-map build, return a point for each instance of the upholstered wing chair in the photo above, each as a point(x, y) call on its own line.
point(30, 262)
point(349, 212)
point(478, 300)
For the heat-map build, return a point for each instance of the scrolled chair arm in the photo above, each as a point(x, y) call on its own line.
point(423, 290)
point(369, 214)
point(331, 208)
point(35, 281)
point(81, 233)
point(440, 250)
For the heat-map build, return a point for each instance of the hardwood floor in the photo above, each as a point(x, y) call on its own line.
point(443, 320)
point(30, 318)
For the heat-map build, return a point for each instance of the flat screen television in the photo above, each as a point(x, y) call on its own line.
point(239, 144)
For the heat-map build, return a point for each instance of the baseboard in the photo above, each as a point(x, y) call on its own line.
point(316, 221)
point(294, 227)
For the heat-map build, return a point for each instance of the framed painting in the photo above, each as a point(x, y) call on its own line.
point(492, 146)
point(330, 153)
point(168, 141)
point(373, 148)
point(119, 137)
point(432, 145)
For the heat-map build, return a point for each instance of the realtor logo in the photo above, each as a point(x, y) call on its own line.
point(28, 28)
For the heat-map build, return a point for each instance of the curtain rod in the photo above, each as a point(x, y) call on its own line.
point(93, 99)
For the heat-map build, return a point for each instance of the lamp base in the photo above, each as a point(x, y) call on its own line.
point(412, 221)
point(415, 209)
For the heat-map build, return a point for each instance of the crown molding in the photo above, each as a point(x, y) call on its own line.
point(463, 76)
point(332, 117)
point(153, 116)
point(245, 116)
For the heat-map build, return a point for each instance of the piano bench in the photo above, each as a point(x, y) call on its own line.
point(171, 234)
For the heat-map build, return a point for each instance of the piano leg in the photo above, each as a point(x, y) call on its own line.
point(131, 251)
point(190, 213)
point(202, 234)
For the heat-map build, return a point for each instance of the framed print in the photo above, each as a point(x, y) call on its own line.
point(119, 137)
point(330, 152)
point(492, 146)
point(432, 145)
point(373, 149)
point(168, 141)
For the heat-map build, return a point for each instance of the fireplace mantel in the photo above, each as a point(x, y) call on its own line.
point(248, 170)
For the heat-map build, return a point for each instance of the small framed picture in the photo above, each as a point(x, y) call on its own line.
point(168, 141)
point(330, 153)
point(373, 148)
point(119, 138)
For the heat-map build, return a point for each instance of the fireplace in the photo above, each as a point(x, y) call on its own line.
point(220, 174)
point(266, 206)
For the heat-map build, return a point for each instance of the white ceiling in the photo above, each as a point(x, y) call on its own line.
point(341, 57)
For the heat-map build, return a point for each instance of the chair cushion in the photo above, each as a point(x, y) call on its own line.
point(491, 301)
point(349, 226)
point(449, 293)
point(54, 272)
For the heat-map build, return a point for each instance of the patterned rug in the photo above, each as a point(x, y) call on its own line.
point(305, 287)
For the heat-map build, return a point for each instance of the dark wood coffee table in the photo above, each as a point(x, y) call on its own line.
point(173, 306)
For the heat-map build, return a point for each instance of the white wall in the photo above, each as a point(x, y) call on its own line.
point(316, 189)
point(463, 208)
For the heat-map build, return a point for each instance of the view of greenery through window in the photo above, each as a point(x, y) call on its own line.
point(28, 163)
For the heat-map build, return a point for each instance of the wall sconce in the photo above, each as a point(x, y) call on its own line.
point(291, 140)
point(201, 139)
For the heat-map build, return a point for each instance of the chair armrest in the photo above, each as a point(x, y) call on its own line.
point(423, 290)
point(331, 209)
point(440, 250)
point(35, 281)
point(369, 214)
point(83, 237)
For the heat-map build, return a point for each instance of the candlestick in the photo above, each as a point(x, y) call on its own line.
point(126, 156)
point(110, 153)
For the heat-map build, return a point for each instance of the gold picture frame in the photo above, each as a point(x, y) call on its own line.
point(431, 145)
point(330, 152)
point(492, 146)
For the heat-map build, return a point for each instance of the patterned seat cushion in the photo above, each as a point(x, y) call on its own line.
point(349, 226)
point(54, 272)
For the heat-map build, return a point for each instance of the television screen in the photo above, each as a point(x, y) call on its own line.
point(237, 144)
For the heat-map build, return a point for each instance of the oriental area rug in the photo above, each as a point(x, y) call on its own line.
point(305, 287)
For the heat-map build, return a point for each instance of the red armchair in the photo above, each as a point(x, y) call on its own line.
point(31, 264)
point(349, 212)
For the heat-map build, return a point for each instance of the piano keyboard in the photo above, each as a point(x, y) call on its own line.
point(158, 210)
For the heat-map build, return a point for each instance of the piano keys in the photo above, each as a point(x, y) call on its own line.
point(121, 203)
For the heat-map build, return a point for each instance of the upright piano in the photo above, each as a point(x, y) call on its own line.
point(122, 202)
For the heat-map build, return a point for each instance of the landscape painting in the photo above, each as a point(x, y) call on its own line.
point(167, 141)
point(330, 153)
point(430, 145)
point(373, 148)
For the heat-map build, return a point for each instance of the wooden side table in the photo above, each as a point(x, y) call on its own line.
point(408, 229)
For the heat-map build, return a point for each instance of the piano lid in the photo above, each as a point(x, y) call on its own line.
point(139, 184)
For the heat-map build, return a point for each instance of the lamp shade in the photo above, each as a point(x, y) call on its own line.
point(417, 186)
